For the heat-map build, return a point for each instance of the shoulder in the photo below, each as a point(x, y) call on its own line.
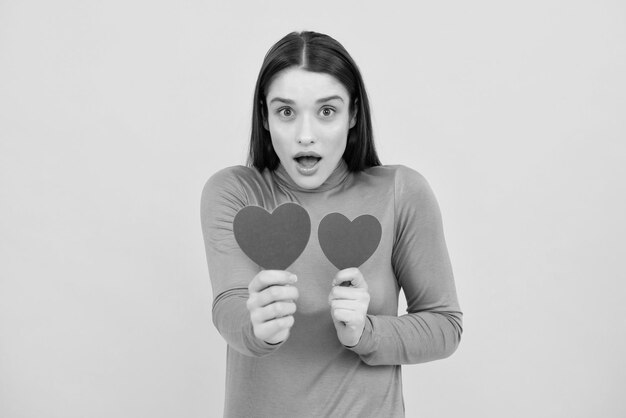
point(404, 179)
point(231, 177)
point(412, 194)
point(229, 182)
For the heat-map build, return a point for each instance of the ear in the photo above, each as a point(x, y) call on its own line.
point(354, 113)
point(265, 124)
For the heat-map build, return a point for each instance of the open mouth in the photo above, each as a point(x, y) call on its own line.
point(307, 161)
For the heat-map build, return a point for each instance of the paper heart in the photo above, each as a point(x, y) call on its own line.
point(349, 244)
point(273, 241)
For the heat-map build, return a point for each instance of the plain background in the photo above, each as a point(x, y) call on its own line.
point(114, 114)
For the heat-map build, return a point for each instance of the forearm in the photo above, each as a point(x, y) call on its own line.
point(232, 319)
point(409, 339)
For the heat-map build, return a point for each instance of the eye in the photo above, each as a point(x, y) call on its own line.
point(285, 112)
point(328, 112)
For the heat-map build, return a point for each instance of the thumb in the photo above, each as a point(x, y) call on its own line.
point(350, 277)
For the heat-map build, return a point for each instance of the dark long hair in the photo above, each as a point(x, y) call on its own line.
point(320, 53)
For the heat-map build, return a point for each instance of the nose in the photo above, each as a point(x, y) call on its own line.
point(305, 133)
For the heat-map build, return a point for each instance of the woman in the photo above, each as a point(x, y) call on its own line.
point(315, 339)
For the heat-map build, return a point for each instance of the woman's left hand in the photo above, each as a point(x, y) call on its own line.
point(349, 300)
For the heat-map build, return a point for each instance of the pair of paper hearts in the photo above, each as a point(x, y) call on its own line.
point(275, 240)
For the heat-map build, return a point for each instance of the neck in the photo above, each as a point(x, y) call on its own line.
point(336, 177)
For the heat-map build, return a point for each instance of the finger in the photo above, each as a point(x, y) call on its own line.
point(275, 294)
point(277, 338)
point(269, 328)
point(272, 294)
point(351, 275)
point(351, 293)
point(266, 278)
point(273, 311)
point(344, 315)
point(350, 305)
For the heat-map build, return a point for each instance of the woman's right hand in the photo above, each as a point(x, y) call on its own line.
point(272, 304)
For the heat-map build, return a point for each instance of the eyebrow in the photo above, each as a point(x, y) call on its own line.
point(322, 100)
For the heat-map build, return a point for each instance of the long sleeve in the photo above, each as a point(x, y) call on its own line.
point(230, 270)
point(432, 327)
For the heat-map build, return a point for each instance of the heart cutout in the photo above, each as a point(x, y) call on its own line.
point(272, 240)
point(349, 244)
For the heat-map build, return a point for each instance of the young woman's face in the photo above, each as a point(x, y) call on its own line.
point(308, 119)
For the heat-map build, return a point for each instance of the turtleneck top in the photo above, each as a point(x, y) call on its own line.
point(311, 374)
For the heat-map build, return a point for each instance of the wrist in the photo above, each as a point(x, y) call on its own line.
point(369, 340)
point(356, 341)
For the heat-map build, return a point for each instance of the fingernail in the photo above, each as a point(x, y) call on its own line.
point(293, 278)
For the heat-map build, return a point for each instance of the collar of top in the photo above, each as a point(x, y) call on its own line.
point(336, 178)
